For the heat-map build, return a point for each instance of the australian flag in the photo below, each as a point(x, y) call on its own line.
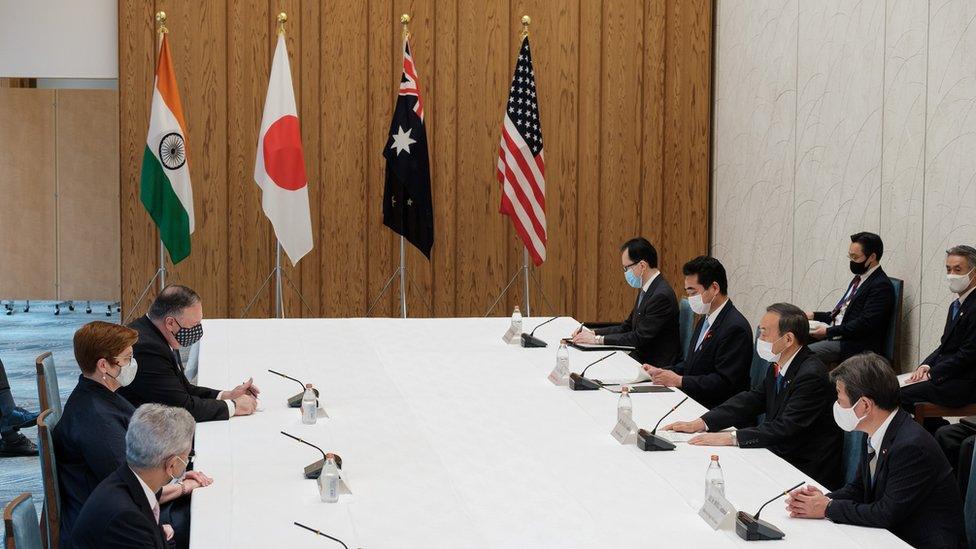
point(407, 207)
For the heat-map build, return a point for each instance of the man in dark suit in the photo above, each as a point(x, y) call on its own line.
point(123, 511)
point(795, 397)
point(717, 361)
point(174, 321)
point(903, 483)
point(860, 320)
point(957, 442)
point(652, 327)
point(947, 377)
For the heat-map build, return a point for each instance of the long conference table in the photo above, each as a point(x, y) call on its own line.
point(451, 438)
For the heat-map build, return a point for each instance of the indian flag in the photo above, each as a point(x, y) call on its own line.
point(165, 182)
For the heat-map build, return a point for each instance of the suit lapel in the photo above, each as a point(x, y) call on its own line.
point(890, 435)
point(172, 357)
point(964, 309)
point(137, 493)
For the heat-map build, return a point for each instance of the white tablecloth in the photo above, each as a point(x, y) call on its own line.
point(452, 439)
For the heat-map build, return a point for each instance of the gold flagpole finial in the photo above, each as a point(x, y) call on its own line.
point(526, 21)
point(282, 19)
point(405, 21)
point(161, 22)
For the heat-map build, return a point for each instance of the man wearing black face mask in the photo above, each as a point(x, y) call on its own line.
point(859, 322)
point(174, 321)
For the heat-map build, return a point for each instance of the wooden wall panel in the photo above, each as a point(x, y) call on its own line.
point(27, 183)
point(345, 148)
point(624, 91)
point(88, 194)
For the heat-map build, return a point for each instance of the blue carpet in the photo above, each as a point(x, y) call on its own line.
point(23, 336)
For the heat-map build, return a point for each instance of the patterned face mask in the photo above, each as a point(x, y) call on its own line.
point(188, 336)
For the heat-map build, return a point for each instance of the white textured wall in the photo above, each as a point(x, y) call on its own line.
point(833, 116)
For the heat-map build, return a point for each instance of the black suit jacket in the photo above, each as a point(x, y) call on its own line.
point(160, 378)
point(719, 368)
point(866, 318)
point(799, 425)
point(652, 326)
point(953, 363)
point(89, 444)
point(117, 516)
point(914, 493)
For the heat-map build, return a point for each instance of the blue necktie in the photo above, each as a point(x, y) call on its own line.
point(954, 309)
point(779, 382)
point(701, 336)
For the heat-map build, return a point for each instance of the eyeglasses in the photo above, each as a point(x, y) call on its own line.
point(625, 267)
point(123, 360)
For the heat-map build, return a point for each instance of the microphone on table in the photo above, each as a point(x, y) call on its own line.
point(751, 528)
point(651, 441)
point(578, 382)
point(296, 401)
point(313, 530)
point(314, 470)
point(529, 340)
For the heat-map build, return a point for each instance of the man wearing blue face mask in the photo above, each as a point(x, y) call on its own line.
point(652, 327)
point(903, 482)
point(175, 321)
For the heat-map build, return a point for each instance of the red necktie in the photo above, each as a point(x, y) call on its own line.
point(845, 300)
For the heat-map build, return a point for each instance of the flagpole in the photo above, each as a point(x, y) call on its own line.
point(405, 21)
point(279, 304)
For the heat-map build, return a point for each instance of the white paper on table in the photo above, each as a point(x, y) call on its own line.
point(903, 379)
point(816, 325)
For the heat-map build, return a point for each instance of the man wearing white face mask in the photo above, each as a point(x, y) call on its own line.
point(947, 377)
point(652, 327)
point(175, 321)
point(89, 439)
point(795, 397)
point(903, 483)
point(716, 363)
point(123, 511)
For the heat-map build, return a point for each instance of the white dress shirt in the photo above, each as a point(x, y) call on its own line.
point(876, 439)
point(150, 495)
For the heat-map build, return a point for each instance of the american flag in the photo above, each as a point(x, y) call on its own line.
point(521, 163)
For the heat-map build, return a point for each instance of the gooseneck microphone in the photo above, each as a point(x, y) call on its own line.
point(323, 534)
point(314, 470)
point(578, 382)
point(529, 340)
point(296, 401)
point(751, 528)
point(651, 441)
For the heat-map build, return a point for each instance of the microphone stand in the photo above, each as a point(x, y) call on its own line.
point(314, 470)
point(529, 340)
point(751, 528)
point(578, 382)
point(296, 401)
point(651, 441)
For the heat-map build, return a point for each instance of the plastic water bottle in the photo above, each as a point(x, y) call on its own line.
point(517, 321)
point(309, 407)
point(714, 479)
point(562, 361)
point(625, 408)
point(329, 481)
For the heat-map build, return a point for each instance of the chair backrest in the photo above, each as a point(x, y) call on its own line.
point(894, 325)
point(20, 524)
point(49, 474)
point(853, 448)
point(970, 506)
point(47, 383)
point(757, 370)
point(686, 325)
